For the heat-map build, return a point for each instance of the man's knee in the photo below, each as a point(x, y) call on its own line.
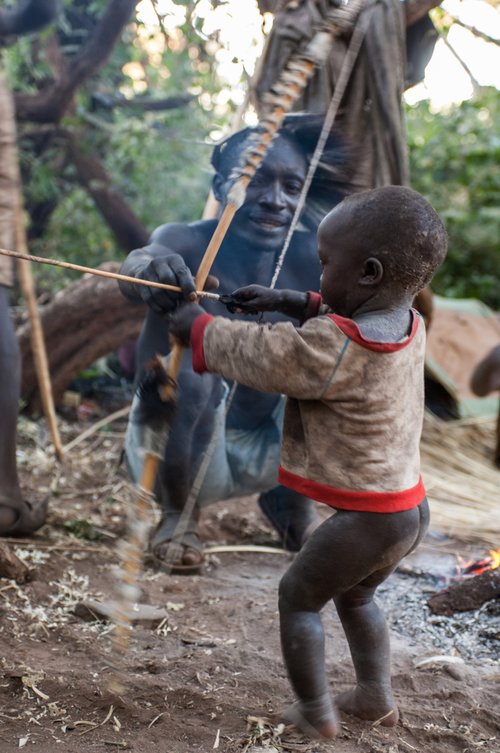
point(486, 375)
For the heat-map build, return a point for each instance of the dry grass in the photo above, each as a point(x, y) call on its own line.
point(462, 483)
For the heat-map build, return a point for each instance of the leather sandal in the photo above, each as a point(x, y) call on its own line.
point(29, 517)
point(172, 541)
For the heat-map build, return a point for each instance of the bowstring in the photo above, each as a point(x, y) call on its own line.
point(345, 73)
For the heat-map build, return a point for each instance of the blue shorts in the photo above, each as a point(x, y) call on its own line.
point(243, 462)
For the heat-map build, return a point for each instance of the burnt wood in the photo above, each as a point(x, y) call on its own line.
point(467, 594)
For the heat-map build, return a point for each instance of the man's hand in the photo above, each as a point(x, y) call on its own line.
point(172, 270)
point(182, 321)
point(156, 264)
point(254, 298)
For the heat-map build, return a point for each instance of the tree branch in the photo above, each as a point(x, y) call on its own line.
point(476, 31)
point(126, 227)
point(49, 105)
point(106, 102)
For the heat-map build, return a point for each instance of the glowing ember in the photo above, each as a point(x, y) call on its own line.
point(480, 566)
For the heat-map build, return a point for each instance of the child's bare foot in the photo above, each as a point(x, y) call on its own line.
point(373, 704)
point(315, 719)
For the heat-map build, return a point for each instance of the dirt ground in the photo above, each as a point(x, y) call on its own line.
point(209, 677)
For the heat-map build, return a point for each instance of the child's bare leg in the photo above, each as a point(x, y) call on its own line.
point(344, 559)
point(303, 645)
point(368, 637)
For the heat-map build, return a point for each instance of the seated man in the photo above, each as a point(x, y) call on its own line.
point(247, 439)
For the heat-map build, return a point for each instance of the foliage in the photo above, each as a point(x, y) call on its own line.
point(158, 161)
point(454, 164)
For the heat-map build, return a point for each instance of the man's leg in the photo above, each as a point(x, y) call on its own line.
point(292, 515)
point(175, 544)
point(17, 517)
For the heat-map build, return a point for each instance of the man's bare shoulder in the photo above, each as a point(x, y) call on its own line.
point(184, 238)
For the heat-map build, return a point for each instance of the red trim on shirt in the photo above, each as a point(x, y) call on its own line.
point(313, 305)
point(351, 329)
point(345, 499)
point(197, 333)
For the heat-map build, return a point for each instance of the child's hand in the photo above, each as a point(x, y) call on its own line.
point(252, 299)
point(182, 321)
point(256, 298)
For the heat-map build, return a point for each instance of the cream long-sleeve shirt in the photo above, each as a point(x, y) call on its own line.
point(354, 412)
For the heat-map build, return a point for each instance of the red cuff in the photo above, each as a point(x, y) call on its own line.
point(197, 334)
point(312, 306)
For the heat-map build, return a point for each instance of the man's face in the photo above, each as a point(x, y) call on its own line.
point(271, 198)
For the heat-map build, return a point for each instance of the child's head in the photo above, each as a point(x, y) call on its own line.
point(382, 245)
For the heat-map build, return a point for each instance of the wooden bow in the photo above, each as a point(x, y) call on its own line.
point(279, 101)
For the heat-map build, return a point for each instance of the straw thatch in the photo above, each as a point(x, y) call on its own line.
point(462, 483)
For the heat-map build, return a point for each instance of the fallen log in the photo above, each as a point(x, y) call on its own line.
point(85, 321)
point(466, 594)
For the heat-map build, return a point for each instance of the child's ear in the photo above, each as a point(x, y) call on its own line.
point(373, 271)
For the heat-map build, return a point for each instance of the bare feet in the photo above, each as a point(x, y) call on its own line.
point(315, 719)
point(374, 704)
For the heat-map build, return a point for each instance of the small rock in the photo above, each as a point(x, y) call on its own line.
point(143, 614)
point(455, 671)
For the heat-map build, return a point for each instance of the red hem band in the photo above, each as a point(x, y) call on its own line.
point(197, 333)
point(345, 499)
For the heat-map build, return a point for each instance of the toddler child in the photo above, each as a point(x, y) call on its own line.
point(353, 374)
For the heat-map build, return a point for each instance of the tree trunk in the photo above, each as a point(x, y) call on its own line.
point(9, 187)
point(128, 230)
point(84, 322)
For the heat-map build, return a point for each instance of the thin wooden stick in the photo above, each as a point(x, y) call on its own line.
point(101, 273)
point(174, 363)
point(121, 413)
point(37, 339)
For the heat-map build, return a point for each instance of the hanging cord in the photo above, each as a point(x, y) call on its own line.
point(345, 73)
point(344, 76)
